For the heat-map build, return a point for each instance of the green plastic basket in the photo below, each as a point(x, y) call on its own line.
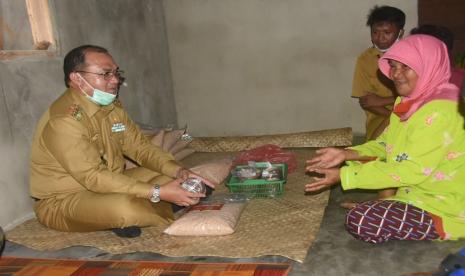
point(258, 188)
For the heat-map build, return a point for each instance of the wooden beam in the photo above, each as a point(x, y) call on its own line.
point(1, 33)
point(12, 55)
point(41, 25)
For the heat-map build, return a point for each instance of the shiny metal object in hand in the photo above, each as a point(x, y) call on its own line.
point(194, 185)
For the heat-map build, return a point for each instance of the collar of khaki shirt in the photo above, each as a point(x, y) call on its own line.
point(89, 107)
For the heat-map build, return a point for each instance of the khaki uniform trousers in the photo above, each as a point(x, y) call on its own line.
point(88, 211)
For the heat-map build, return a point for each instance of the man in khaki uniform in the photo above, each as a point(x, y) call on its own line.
point(77, 166)
point(375, 92)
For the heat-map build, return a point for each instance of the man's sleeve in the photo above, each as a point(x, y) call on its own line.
point(361, 80)
point(138, 147)
point(68, 141)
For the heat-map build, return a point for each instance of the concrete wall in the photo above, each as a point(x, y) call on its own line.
point(259, 67)
point(133, 31)
point(21, 38)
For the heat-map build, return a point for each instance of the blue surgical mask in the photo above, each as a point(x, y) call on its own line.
point(99, 97)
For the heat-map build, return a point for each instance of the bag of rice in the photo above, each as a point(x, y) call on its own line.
point(171, 137)
point(157, 139)
point(183, 153)
point(180, 145)
point(215, 171)
point(208, 219)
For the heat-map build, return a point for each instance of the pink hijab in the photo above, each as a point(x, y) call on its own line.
point(428, 57)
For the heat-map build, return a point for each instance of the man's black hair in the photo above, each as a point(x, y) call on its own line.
point(76, 58)
point(440, 32)
point(386, 14)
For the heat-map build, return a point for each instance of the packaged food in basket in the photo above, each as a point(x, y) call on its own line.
point(270, 183)
point(272, 173)
point(247, 172)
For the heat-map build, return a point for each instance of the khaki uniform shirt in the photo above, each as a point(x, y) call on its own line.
point(79, 145)
point(368, 78)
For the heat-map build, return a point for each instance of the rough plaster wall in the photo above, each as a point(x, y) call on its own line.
point(244, 67)
point(21, 38)
point(134, 33)
point(26, 87)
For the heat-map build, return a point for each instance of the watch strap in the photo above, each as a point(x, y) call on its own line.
point(155, 194)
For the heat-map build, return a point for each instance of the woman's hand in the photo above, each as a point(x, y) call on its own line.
point(329, 178)
point(326, 158)
point(174, 193)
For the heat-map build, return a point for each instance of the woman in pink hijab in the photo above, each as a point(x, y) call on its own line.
point(421, 153)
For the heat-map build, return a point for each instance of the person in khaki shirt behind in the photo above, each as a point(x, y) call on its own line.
point(375, 92)
point(77, 173)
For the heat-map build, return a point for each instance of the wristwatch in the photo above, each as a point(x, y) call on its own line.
point(155, 194)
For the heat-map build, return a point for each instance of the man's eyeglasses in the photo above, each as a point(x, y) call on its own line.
point(119, 74)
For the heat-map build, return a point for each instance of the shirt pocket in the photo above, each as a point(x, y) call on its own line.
point(118, 137)
point(96, 141)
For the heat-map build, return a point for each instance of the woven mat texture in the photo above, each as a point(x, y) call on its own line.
point(284, 226)
point(321, 138)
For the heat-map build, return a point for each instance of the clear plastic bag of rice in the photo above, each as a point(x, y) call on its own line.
point(228, 198)
point(215, 216)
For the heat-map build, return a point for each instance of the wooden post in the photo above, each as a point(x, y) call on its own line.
point(41, 25)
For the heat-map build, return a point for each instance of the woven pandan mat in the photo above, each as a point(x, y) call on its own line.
point(321, 138)
point(284, 226)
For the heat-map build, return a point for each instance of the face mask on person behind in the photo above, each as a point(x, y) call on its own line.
point(385, 50)
point(99, 97)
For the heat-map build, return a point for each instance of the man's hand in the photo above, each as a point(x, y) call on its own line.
point(326, 158)
point(174, 193)
point(329, 178)
point(376, 104)
point(184, 174)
